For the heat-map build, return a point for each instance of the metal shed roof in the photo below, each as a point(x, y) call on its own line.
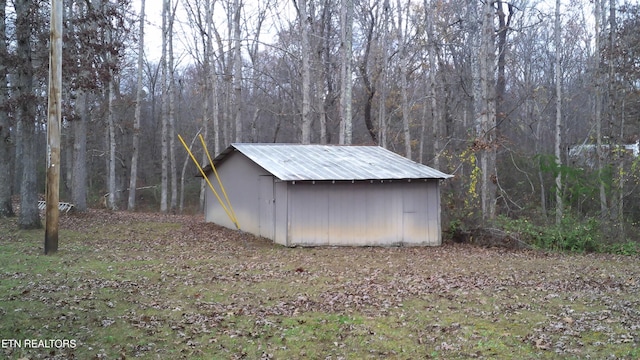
point(294, 162)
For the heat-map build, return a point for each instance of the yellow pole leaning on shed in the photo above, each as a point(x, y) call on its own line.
point(233, 219)
point(204, 146)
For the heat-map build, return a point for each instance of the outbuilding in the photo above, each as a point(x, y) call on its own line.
point(318, 195)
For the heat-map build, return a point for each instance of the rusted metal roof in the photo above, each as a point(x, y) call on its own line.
point(294, 162)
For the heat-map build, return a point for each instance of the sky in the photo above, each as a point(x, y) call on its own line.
point(153, 24)
point(152, 27)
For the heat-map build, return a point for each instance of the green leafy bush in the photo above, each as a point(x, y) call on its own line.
point(627, 248)
point(571, 234)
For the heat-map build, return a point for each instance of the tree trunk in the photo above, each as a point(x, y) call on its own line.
point(504, 24)
point(211, 101)
point(621, 176)
point(598, 111)
point(558, 137)
point(111, 126)
point(403, 71)
point(365, 68)
point(617, 212)
point(164, 186)
point(536, 114)
point(382, 84)
point(368, 107)
point(184, 170)
point(227, 64)
point(237, 73)
point(327, 98)
point(111, 136)
point(172, 119)
point(436, 118)
point(305, 49)
point(29, 215)
point(422, 136)
point(133, 179)
point(6, 169)
point(79, 179)
point(485, 112)
point(346, 35)
point(255, 55)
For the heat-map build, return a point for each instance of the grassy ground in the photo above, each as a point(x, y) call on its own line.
point(169, 287)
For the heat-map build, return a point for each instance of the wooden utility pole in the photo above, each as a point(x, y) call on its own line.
point(53, 129)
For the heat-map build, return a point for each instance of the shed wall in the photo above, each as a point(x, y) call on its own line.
point(240, 177)
point(282, 212)
point(364, 213)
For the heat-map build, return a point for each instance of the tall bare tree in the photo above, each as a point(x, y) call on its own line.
point(322, 62)
point(382, 83)
point(432, 49)
point(29, 215)
point(200, 15)
point(369, 68)
point(254, 55)
point(111, 142)
point(79, 126)
point(598, 99)
point(237, 72)
point(618, 209)
point(6, 169)
point(504, 13)
point(211, 79)
point(485, 112)
point(133, 179)
point(164, 185)
point(83, 78)
point(172, 114)
point(305, 53)
point(211, 85)
point(346, 50)
point(558, 130)
point(404, 68)
point(111, 115)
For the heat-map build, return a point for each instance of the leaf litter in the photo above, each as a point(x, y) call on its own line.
point(156, 286)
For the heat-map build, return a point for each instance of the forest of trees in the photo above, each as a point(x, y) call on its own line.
point(534, 106)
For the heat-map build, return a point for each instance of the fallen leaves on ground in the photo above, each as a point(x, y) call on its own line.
point(157, 286)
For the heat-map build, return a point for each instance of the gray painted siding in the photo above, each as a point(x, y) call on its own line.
point(308, 214)
point(239, 176)
point(363, 214)
point(421, 224)
point(266, 208)
point(282, 213)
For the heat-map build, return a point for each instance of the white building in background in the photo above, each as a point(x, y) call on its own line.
point(586, 154)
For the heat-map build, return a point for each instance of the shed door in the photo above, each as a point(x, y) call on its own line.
point(414, 219)
point(266, 206)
